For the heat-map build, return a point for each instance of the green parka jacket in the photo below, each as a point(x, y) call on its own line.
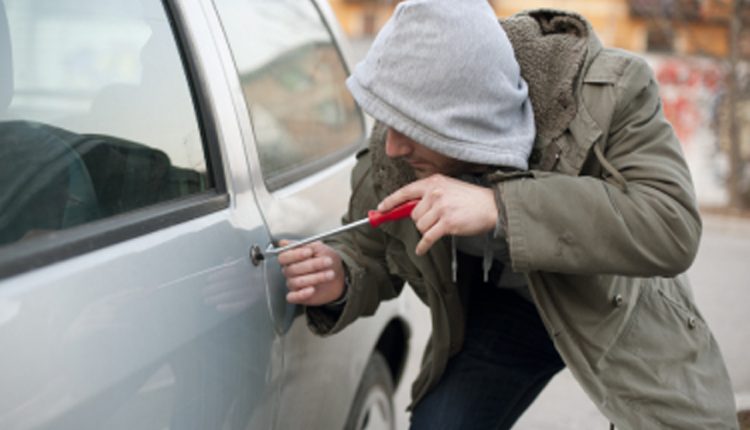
point(604, 225)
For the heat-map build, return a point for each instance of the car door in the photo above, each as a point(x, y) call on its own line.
point(301, 130)
point(301, 124)
point(128, 298)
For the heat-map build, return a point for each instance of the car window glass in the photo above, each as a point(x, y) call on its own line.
point(292, 80)
point(96, 115)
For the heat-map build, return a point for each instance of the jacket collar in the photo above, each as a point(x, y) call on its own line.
point(553, 49)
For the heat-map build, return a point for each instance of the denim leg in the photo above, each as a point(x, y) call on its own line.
point(507, 359)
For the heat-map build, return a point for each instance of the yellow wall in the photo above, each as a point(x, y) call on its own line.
point(611, 20)
point(608, 17)
point(615, 26)
point(351, 14)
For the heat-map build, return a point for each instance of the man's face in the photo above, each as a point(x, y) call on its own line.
point(422, 159)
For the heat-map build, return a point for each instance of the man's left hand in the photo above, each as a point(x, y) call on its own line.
point(447, 206)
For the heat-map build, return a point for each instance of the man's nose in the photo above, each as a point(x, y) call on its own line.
point(396, 144)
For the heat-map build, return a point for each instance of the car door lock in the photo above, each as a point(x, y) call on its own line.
point(256, 255)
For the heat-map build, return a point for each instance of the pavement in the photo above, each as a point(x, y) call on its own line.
point(719, 277)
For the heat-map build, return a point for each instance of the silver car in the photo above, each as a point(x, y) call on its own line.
point(150, 151)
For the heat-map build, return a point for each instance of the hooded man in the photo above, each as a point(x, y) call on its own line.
point(546, 237)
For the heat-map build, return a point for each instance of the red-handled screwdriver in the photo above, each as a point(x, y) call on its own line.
point(374, 218)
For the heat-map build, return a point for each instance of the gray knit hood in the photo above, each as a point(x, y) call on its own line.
point(552, 48)
point(443, 72)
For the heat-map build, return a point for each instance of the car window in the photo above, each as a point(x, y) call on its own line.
point(292, 81)
point(96, 114)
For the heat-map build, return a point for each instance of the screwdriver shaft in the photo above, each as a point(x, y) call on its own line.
point(316, 237)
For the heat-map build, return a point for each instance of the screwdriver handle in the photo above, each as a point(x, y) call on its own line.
point(401, 211)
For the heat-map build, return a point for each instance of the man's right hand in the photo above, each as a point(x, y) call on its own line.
point(314, 274)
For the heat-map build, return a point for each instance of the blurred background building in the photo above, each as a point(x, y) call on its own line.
point(700, 53)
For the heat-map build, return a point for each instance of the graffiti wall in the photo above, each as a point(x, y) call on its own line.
point(691, 91)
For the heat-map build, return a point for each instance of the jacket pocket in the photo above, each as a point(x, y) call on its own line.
point(661, 341)
point(666, 368)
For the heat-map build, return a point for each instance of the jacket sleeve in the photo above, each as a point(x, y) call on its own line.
point(363, 253)
point(590, 225)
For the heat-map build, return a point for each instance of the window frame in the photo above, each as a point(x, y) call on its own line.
point(20, 257)
point(319, 164)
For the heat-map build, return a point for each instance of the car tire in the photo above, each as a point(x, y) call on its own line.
point(373, 404)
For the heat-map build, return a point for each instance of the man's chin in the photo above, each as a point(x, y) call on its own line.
point(420, 171)
point(421, 174)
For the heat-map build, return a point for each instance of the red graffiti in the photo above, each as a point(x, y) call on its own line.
point(682, 113)
point(684, 73)
point(688, 89)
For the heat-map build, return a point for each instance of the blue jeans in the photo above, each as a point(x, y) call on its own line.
point(506, 360)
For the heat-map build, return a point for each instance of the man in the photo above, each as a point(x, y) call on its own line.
point(576, 261)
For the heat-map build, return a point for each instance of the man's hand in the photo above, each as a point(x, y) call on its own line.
point(314, 274)
point(447, 207)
